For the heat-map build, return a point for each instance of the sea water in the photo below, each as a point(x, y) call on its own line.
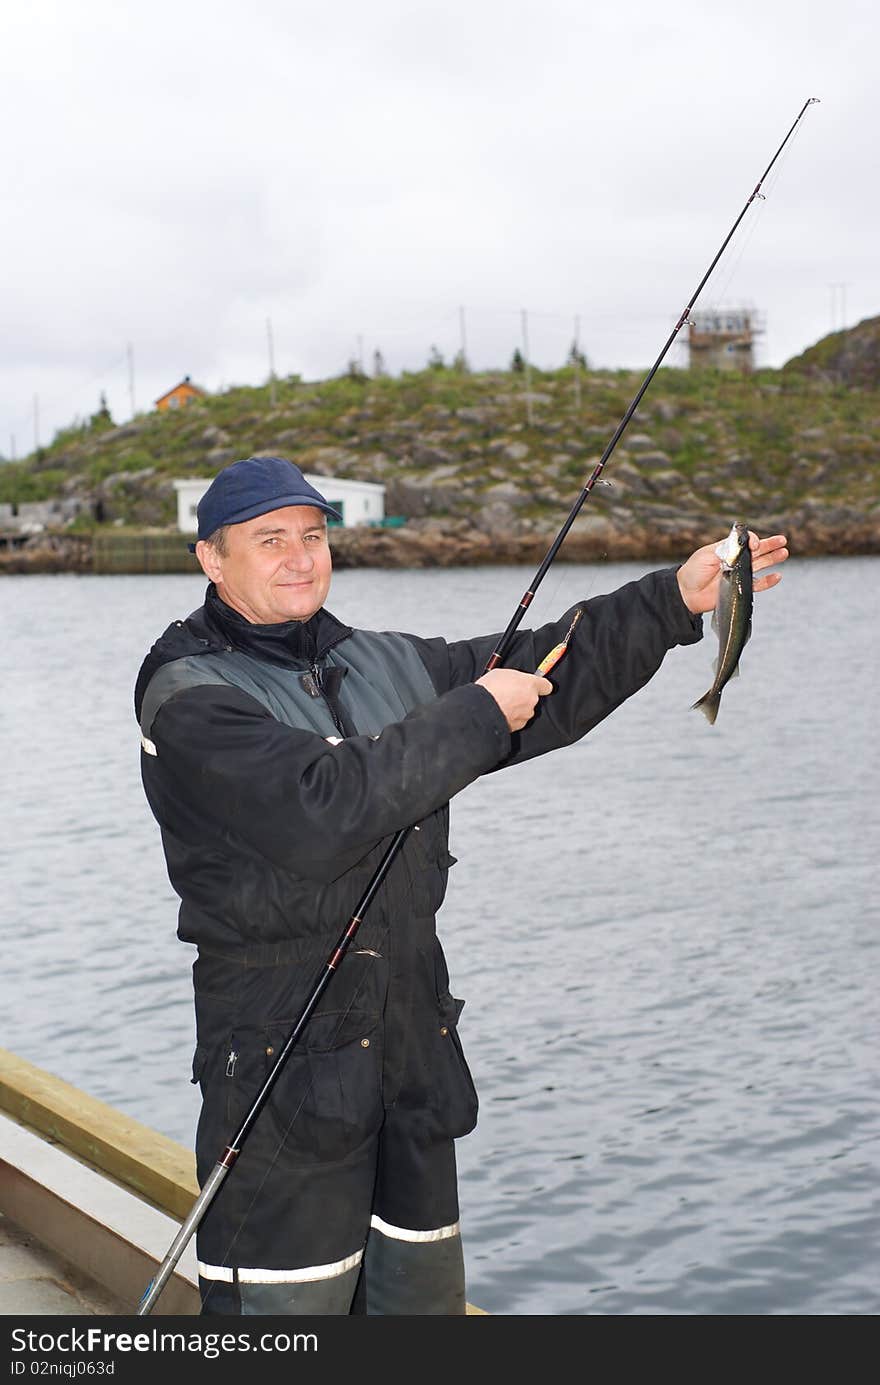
point(666, 937)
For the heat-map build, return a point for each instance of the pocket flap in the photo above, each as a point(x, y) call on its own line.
point(327, 1030)
point(200, 1061)
point(450, 1009)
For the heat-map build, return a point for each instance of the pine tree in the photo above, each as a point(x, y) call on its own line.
point(379, 370)
point(517, 362)
point(576, 357)
point(103, 418)
point(435, 360)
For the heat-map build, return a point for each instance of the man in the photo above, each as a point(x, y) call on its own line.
point(281, 752)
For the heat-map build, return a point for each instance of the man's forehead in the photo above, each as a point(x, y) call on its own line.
point(298, 518)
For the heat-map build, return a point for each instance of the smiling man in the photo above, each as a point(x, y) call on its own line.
point(282, 750)
point(272, 568)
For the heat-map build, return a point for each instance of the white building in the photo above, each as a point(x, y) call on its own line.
point(359, 502)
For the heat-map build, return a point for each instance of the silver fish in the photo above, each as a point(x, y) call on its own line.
point(732, 617)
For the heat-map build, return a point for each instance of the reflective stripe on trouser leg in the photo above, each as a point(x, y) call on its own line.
point(414, 1272)
point(313, 1289)
point(299, 1246)
point(413, 1263)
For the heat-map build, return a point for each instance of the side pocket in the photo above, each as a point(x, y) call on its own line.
point(217, 1117)
point(458, 1102)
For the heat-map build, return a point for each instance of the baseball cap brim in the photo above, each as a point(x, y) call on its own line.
point(278, 502)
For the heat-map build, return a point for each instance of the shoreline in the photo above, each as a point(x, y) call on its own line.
point(434, 543)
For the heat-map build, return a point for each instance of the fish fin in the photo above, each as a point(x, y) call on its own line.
point(708, 705)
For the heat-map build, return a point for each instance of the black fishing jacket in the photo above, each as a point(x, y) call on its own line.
point(279, 761)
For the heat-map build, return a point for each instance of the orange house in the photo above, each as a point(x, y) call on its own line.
point(180, 395)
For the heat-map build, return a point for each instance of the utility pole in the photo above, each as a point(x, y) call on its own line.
point(842, 288)
point(130, 355)
point(272, 393)
point(525, 335)
point(12, 446)
point(577, 364)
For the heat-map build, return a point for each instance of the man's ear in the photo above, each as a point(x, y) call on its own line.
point(209, 558)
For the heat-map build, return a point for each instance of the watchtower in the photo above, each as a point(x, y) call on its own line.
point(723, 339)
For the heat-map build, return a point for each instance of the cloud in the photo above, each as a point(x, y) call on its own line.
point(180, 174)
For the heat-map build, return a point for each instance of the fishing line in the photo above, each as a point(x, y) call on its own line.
point(755, 222)
point(737, 259)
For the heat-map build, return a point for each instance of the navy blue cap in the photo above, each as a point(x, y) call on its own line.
point(252, 487)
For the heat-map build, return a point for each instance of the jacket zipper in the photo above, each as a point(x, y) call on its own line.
point(318, 675)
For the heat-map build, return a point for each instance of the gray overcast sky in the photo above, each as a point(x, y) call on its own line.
point(177, 174)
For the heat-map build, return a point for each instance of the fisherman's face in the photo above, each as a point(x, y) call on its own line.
point(276, 567)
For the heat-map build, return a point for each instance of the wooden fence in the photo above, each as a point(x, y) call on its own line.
point(131, 552)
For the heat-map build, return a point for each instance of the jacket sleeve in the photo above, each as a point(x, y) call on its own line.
point(223, 765)
point(617, 647)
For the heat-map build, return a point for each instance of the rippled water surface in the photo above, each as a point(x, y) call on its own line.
point(667, 938)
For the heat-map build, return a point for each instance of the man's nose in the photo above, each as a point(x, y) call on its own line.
point(298, 558)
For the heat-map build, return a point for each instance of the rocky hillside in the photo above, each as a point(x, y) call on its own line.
point(849, 358)
point(484, 470)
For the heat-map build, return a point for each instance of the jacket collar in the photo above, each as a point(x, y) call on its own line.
point(291, 640)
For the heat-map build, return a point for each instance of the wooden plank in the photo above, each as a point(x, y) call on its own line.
point(100, 1229)
point(158, 1169)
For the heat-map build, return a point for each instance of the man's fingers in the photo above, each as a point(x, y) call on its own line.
point(762, 583)
point(767, 552)
point(779, 555)
point(761, 546)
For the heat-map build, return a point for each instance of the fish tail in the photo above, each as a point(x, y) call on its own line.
point(708, 705)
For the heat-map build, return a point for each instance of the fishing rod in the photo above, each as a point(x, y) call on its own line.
point(227, 1160)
